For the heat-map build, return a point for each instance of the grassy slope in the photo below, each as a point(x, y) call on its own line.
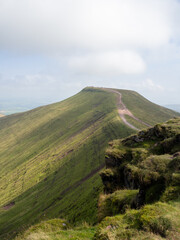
point(158, 219)
point(144, 109)
point(45, 151)
point(50, 157)
point(132, 225)
point(57, 229)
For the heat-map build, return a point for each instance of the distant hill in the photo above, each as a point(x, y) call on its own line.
point(175, 107)
point(50, 156)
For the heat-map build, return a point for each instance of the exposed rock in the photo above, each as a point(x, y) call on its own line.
point(148, 161)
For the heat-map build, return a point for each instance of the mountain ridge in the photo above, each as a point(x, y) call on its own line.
point(46, 151)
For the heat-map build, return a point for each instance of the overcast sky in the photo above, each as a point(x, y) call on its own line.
point(51, 49)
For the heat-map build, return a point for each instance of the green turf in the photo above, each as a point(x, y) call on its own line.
point(144, 109)
point(57, 229)
point(50, 158)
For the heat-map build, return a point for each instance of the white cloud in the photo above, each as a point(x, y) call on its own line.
point(148, 84)
point(95, 37)
point(36, 80)
point(28, 80)
point(108, 63)
point(52, 25)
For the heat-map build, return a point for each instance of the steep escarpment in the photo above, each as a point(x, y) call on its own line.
point(142, 185)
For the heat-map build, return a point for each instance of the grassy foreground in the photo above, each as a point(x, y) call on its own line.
point(57, 229)
point(153, 222)
point(50, 157)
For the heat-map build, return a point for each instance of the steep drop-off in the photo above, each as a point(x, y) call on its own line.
point(142, 185)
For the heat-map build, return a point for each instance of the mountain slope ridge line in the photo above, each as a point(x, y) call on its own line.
point(123, 110)
point(51, 155)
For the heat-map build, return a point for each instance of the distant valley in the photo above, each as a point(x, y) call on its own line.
point(175, 107)
point(8, 107)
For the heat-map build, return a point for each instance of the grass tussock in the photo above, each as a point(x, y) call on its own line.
point(57, 229)
point(141, 186)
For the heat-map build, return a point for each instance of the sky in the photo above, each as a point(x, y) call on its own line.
point(52, 49)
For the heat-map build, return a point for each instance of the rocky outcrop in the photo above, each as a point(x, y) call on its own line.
point(148, 162)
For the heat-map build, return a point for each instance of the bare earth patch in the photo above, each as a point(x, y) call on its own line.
point(122, 110)
point(9, 205)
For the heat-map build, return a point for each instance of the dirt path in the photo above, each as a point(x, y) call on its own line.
point(122, 110)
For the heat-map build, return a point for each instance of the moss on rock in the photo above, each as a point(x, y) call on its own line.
point(142, 169)
point(145, 161)
point(117, 202)
point(157, 221)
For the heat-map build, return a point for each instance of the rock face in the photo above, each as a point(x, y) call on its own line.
point(148, 162)
point(141, 198)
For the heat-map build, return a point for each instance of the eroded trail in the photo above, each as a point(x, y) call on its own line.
point(122, 110)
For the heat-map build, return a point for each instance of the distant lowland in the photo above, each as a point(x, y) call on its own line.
point(175, 107)
point(8, 107)
point(9, 111)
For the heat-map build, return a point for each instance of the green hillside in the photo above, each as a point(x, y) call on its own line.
point(144, 109)
point(141, 198)
point(50, 156)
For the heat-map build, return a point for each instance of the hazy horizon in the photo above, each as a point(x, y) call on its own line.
point(8, 107)
point(50, 50)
